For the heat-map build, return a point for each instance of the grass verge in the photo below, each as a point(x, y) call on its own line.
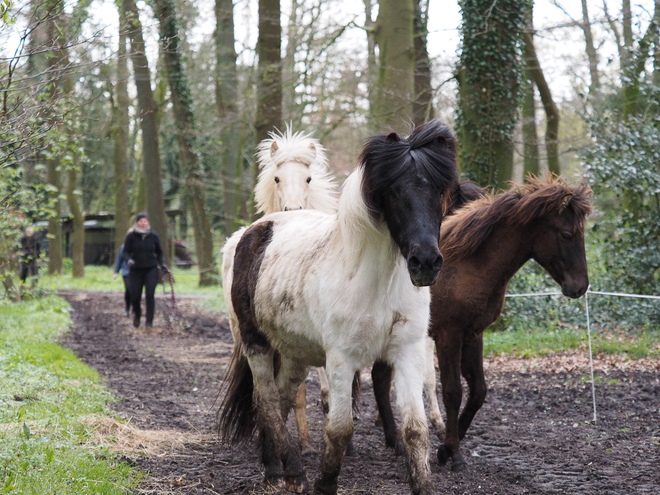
point(46, 398)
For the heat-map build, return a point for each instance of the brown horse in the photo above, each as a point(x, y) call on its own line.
point(485, 244)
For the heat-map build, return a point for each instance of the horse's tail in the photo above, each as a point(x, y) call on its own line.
point(237, 417)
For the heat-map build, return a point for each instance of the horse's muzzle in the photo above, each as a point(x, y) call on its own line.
point(424, 270)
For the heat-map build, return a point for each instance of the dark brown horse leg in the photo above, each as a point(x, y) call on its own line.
point(381, 376)
point(275, 435)
point(472, 367)
point(449, 359)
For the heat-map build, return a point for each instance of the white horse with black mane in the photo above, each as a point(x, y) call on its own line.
point(340, 291)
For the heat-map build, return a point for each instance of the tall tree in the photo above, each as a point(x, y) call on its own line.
point(395, 87)
point(226, 97)
point(592, 54)
point(187, 137)
point(489, 77)
point(551, 111)
point(153, 182)
point(55, 9)
point(269, 71)
point(656, 50)
point(120, 131)
point(372, 62)
point(423, 102)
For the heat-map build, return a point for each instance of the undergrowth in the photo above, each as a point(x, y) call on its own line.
point(46, 393)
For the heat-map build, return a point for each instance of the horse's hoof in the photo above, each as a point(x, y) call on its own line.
point(296, 484)
point(443, 455)
point(322, 489)
point(458, 464)
point(351, 451)
point(398, 448)
point(307, 450)
point(275, 481)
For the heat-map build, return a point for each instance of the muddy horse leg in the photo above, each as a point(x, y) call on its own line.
point(339, 423)
point(408, 383)
point(276, 441)
point(300, 409)
point(449, 360)
point(351, 451)
point(430, 392)
point(472, 367)
point(381, 377)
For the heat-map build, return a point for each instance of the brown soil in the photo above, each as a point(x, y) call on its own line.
point(533, 435)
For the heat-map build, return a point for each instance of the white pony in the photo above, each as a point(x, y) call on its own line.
point(294, 175)
point(341, 291)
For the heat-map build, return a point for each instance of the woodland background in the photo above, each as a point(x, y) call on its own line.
point(157, 105)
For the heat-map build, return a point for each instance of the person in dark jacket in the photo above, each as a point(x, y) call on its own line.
point(143, 254)
point(29, 255)
point(121, 265)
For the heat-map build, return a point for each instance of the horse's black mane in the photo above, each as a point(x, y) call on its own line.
point(429, 151)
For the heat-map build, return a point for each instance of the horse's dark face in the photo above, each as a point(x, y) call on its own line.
point(412, 210)
point(558, 247)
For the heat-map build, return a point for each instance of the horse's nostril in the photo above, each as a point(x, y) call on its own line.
point(437, 264)
point(414, 263)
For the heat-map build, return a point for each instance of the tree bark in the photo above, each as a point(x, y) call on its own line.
point(153, 183)
point(269, 75)
point(395, 86)
point(372, 61)
point(226, 95)
point(56, 7)
point(289, 74)
point(592, 54)
point(529, 132)
point(423, 103)
point(120, 134)
point(187, 137)
point(656, 47)
point(551, 111)
point(78, 251)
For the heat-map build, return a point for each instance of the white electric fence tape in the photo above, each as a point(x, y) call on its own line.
point(586, 308)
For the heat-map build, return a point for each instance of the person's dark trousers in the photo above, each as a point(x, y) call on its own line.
point(127, 293)
point(28, 269)
point(147, 278)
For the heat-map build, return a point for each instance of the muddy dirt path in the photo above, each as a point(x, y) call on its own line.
point(533, 435)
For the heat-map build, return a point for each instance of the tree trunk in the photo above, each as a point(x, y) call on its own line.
point(529, 132)
point(423, 102)
point(153, 183)
point(185, 122)
point(289, 74)
point(656, 46)
point(78, 251)
point(551, 111)
point(269, 77)
point(372, 62)
point(489, 86)
point(592, 54)
point(120, 134)
point(395, 86)
point(226, 95)
point(53, 174)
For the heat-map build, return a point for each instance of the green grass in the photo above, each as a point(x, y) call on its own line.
point(46, 395)
point(541, 342)
point(99, 278)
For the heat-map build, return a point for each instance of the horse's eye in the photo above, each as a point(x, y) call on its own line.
point(277, 180)
point(566, 236)
point(309, 179)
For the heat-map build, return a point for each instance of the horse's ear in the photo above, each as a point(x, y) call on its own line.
point(565, 201)
point(312, 147)
point(273, 148)
point(392, 137)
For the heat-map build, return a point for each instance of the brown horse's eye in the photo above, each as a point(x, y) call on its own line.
point(566, 236)
point(277, 180)
point(309, 179)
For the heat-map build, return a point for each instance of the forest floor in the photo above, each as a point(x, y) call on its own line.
point(535, 433)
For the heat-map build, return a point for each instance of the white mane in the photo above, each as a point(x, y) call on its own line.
point(297, 147)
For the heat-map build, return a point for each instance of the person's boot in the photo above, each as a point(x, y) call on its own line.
point(136, 321)
point(148, 325)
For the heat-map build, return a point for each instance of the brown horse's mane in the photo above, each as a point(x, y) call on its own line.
point(465, 231)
